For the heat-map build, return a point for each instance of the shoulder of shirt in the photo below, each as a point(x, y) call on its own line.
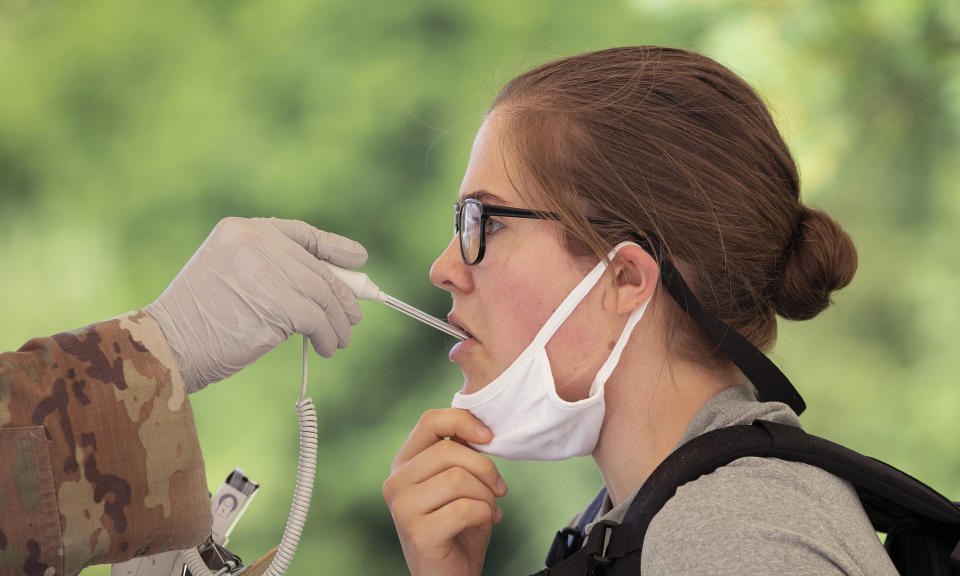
point(759, 516)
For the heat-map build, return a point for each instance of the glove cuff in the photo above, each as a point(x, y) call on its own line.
point(175, 341)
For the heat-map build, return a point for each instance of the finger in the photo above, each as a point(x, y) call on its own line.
point(333, 317)
point(343, 294)
point(315, 282)
point(457, 516)
point(451, 484)
point(314, 322)
point(422, 500)
point(326, 325)
point(449, 455)
point(437, 425)
point(324, 281)
point(314, 313)
point(328, 246)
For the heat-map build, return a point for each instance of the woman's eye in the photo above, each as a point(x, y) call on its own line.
point(492, 226)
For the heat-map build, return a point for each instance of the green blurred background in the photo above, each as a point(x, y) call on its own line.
point(128, 129)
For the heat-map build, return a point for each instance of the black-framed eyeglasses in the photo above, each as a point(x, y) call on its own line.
point(470, 223)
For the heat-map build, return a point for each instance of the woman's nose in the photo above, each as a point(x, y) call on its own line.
point(449, 272)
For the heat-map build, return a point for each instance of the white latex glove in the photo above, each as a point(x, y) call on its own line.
point(252, 284)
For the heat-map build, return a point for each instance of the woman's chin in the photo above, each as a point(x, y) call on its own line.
point(461, 350)
point(473, 382)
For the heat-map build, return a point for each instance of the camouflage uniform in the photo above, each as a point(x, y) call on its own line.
point(99, 460)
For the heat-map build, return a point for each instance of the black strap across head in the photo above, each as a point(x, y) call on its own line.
point(771, 384)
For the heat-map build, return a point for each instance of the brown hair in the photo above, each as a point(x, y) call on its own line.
point(670, 144)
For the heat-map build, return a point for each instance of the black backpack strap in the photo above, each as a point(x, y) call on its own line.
point(607, 543)
point(893, 500)
point(770, 383)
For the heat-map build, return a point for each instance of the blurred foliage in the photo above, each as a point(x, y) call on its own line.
point(128, 129)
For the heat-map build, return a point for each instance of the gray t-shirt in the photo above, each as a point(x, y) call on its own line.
point(757, 515)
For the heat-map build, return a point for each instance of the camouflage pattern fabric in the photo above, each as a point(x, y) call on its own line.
point(99, 459)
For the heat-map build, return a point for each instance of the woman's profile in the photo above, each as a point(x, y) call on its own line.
point(596, 185)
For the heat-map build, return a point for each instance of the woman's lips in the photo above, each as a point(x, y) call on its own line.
point(463, 346)
point(455, 322)
point(461, 349)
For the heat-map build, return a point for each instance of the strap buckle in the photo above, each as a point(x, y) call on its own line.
point(565, 543)
point(609, 539)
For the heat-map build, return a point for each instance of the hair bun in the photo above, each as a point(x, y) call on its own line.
point(821, 258)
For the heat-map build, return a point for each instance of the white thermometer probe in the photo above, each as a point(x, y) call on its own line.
point(364, 289)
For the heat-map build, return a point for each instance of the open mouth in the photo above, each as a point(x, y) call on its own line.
point(453, 321)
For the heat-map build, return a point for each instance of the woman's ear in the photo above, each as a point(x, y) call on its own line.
point(636, 274)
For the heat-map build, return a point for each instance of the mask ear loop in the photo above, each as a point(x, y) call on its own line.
point(610, 364)
point(566, 307)
point(614, 358)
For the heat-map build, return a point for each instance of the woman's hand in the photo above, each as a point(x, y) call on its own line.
point(442, 494)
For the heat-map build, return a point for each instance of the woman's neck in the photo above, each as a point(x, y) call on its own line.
point(650, 402)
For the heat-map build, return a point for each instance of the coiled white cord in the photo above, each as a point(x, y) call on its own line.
point(306, 472)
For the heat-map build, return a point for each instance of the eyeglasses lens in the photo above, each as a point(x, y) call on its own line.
point(470, 230)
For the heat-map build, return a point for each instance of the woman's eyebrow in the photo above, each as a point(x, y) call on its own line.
point(483, 196)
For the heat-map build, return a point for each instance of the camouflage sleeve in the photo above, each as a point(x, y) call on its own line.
point(99, 459)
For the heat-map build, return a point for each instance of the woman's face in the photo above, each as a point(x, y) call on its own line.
point(504, 300)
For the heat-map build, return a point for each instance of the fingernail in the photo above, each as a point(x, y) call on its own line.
point(499, 513)
point(501, 485)
point(483, 430)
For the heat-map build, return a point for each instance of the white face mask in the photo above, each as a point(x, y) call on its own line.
point(521, 406)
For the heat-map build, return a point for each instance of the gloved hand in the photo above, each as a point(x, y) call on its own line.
point(250, 285)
